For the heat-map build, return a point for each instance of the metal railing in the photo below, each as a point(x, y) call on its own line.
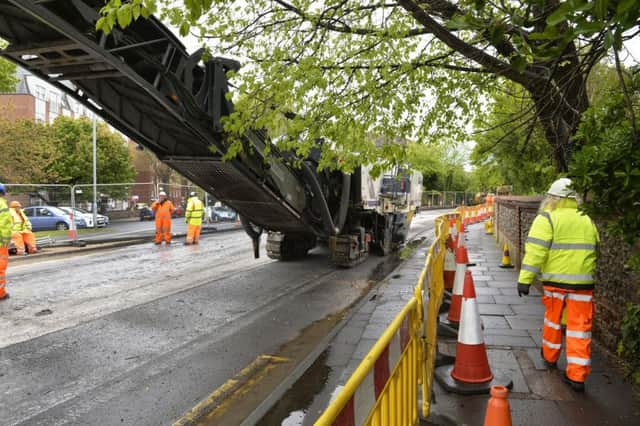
point(397, 402)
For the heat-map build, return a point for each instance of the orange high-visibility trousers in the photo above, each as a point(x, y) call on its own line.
point(163, 229)
point(4, 261)
point(193, 233)
point(20, 239)
point(580, 309)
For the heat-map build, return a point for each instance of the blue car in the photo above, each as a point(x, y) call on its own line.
point(45, 218)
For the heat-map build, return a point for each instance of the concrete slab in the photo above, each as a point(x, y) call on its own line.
point(506, 332)
point(515, 300)
point(487, 291)
point(503, 284)
point(493, 309)
point(529, 310)
point(349, 334)
point(522, 322)
point(340, 354)
point(485, 299)
point(491, 322)
point(509, 341)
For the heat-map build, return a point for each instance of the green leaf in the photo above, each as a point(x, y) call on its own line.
point(184, 28)
point(559, 15)
point(601, 9)
point(124, 16)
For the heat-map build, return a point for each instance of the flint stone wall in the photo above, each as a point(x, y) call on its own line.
point(616, 286)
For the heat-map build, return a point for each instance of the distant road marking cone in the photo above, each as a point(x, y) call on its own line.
point(471, 373)
point(488, 226)
point(506, 260)
point(449, 322)
point(498, 410)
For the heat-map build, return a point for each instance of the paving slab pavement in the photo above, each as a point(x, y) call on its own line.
point(512, 333)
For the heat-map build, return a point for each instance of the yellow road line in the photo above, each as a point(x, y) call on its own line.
point(216, 399)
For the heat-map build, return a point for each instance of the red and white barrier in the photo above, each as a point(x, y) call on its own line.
point(357, 410)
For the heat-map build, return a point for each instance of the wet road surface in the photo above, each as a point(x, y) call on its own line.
point(140, 335)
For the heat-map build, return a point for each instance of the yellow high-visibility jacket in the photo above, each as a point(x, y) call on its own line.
point(21, 222)
point(6, 223)
point(194, 212)
point(561, 250)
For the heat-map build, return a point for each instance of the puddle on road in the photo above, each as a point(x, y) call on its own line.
point(292, 408)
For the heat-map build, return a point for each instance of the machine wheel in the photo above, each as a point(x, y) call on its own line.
point(289, 247)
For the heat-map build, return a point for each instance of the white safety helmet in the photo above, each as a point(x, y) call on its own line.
point(192, 194)
point(162, 194)
point(560, 188)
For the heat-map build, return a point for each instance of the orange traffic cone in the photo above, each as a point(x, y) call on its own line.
point(498, 411)
point(449, 322)
point(506, 260)
point(471, 373)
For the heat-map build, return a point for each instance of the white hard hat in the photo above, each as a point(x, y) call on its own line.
point(162, 194)
point(192, 194)
point(560, 188)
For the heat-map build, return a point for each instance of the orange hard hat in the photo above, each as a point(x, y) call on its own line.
point(15, 204)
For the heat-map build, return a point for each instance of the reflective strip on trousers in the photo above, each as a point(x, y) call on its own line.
point(579, 334)
point(552, 324)
point(566, 277)
point(580, 297)
point(552, 345)
point(554, 294)
point(578, 361)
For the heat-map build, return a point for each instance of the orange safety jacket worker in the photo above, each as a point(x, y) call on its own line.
point(561, 249)
point(163, 210)
point(21, 231)
point(5, 238)
point(193, 218)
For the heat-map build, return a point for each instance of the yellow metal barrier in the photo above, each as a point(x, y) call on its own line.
point(393, 384)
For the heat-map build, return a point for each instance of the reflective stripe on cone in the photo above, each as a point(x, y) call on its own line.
point(458, 284)
point(472, 364)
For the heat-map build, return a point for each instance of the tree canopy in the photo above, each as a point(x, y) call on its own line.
point(27, 152)
point(409, 69)
point(72, 141)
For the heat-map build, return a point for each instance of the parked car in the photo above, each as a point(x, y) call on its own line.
point(101, 220)
point(45, 218)
point(222, 213)
point(146, 213)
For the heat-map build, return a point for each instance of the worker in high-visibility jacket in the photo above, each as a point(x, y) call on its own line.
point(163, 209)
point(193, 218)
point(561, 250)
point(5, 238)
point(21, 232)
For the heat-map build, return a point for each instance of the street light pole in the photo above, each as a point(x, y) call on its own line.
point(95, 175)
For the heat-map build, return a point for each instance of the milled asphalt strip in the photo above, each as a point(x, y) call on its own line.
point(114, 243)
point(164, 361)
point(280, 390)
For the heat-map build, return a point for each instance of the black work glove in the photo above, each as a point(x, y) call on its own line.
point(523, 289)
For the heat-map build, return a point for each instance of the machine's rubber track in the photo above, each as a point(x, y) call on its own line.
point(345, 253)
point(289, 247)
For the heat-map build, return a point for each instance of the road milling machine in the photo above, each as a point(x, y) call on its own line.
point(143, 82)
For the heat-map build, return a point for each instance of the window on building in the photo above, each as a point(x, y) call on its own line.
point(41, 93)
point(53, 101)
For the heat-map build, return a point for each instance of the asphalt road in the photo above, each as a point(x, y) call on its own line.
point(136, 228)
point(140, 335)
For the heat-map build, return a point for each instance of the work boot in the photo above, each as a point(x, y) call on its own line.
point(157, 243)
point(550, 365)
point(576, 386)
point(5, 297)
point(187, 243)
